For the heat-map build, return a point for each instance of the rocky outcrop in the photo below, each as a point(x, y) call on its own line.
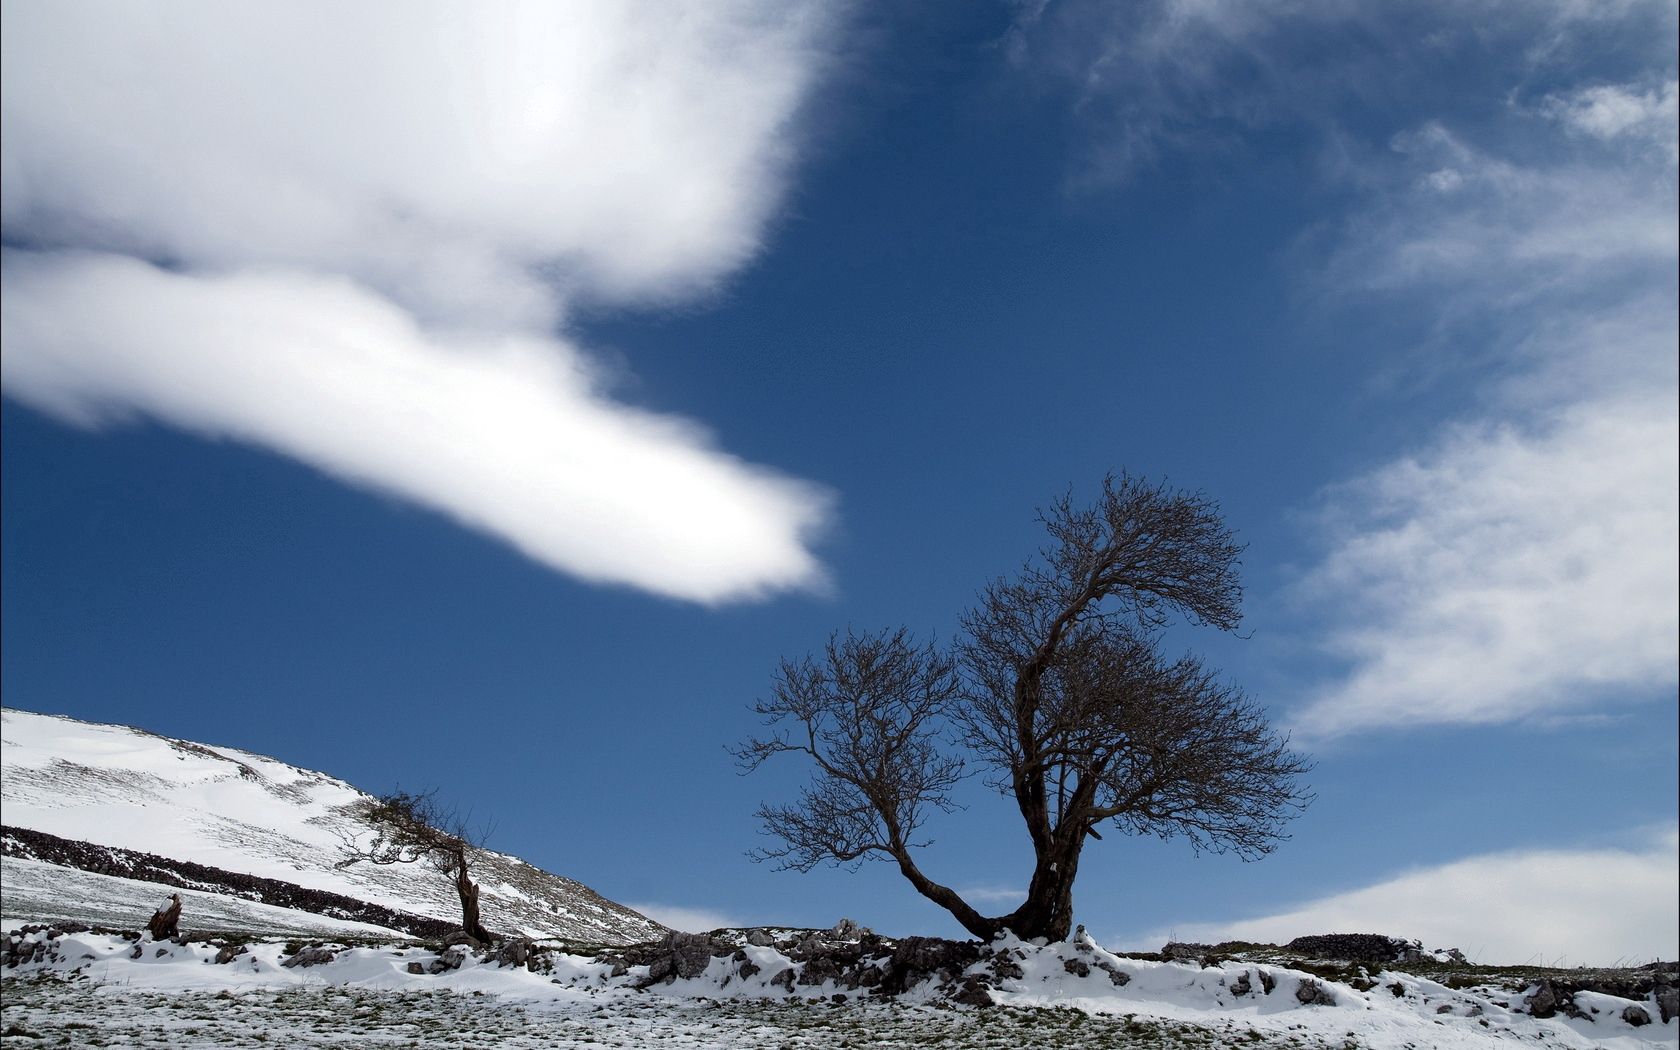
point(682, 955)
point(1311, 993)
point(847, 956)
point(1362, 947)
point(22, 947)
point(316, 956)
point(1668, 998)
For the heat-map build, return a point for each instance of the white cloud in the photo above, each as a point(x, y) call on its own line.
point(1522, 561)
point(1518, 560)
point(1507, 574)
point(1166, 77)
point(508, 434)
point(1609, 111)
point(687, 920)
point(371, 220)
point(435, 150)
point(993, 894)
point(1563, 907)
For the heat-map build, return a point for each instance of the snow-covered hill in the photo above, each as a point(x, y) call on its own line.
point(248, 813)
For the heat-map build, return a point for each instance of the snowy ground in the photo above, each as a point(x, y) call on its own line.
point(243, 812)
point(53, 893)
point(78, 1013)
point(94, 989)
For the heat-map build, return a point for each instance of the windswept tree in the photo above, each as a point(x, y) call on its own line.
point(412, 828)
point(1057, 689)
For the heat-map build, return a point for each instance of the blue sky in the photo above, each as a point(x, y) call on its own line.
point(489, 399)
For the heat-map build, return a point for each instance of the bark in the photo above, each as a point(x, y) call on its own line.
point(468, 891)
point(165, 922)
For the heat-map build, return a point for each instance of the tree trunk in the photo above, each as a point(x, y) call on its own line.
point(1048, 910)
point(947, 898)
point(468, 891)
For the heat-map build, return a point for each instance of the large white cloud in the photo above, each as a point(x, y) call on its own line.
point(507, 434)
point(1507, 574)
point(383, 210)
point(1595, 907)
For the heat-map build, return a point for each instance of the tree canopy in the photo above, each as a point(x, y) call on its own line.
point(1058, 690)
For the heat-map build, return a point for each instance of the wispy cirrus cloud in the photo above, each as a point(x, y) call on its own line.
point(994, 894)
point(1165, 79)
point(1521, 562)
point(351, 234)
point(1518, 560)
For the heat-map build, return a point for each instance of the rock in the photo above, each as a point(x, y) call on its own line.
point(680, 954)
point(847, 930)
point(135, 954)
point(915, 959)
point(415, 967)
point(451, 959)
point(1311, 993)
point(784, 979)
point(1116, 976)
point(1267, 982)
point(1372, 947)
point(1242, 985)
point(1668, 1002)
point(760, 939)
point(818, 969)
point(837, 998)
point(804, 948)
point(1005, 968)
point(513, 952)
point(1636, 1016)
point(974, 992)
point(230, 952)
point(1444, 1008)
point(1082, 941)
point(1077, 967)
point(461, 937)
point(747, 968)
point(310, 957)
point(1177, 951)
point(1543, 1001)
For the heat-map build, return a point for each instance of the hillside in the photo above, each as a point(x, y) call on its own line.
point(240, 812)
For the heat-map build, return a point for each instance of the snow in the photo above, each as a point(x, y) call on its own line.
point(34, 891)
point(578, 1002)
point(249, 813)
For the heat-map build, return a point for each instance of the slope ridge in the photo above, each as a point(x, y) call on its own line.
point(244, 812)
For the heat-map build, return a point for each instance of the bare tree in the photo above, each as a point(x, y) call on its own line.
point(410, 828)
point(1057, 688)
